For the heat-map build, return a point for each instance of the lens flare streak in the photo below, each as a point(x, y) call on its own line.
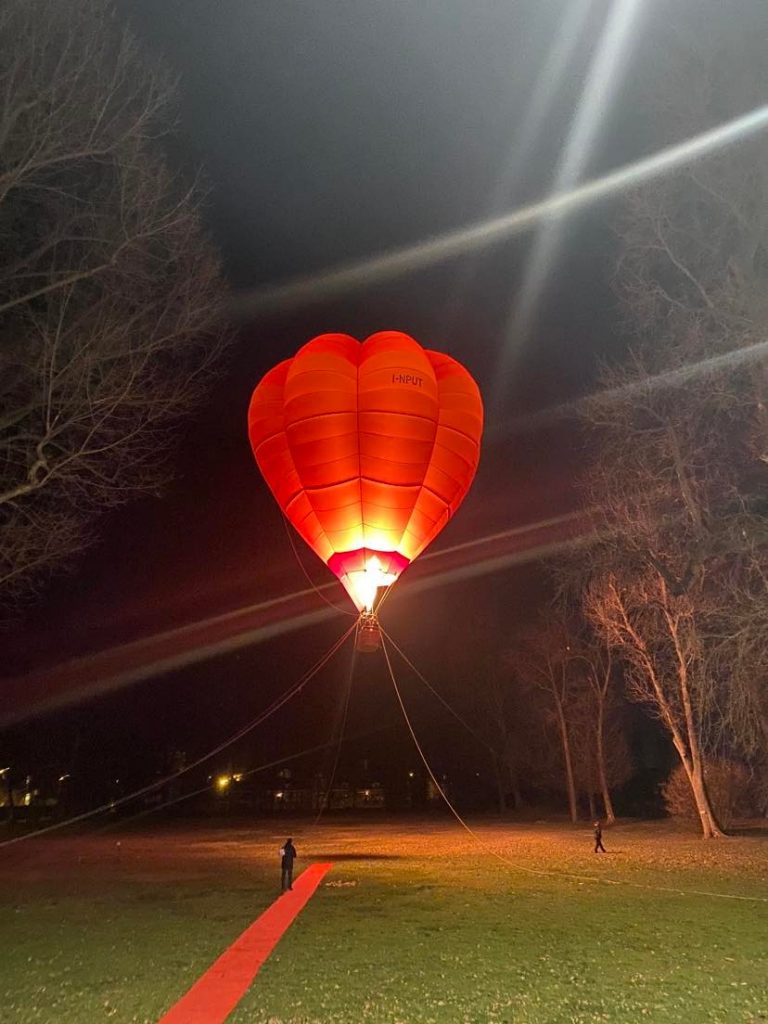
point(498, 229)
point(86, 677)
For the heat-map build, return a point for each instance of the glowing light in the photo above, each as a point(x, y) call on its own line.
point(222, 782)
point(497, 229)
point(244, 627)
point(609, 61)
point(279, 795)
point(364, 584)
point(238, 777)
point(711, 365)
point(545, 91)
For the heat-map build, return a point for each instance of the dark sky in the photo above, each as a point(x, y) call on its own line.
point(330, 132)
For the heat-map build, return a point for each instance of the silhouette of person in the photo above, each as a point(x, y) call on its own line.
point(599, 838)
point(288, 855)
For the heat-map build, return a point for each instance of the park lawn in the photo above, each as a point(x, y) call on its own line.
point(455, 936)
point(416, 923)
point(95, 932)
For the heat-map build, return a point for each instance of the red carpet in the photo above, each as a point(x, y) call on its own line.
point(215, 995)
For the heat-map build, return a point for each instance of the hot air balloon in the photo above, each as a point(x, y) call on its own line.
point(369, 448)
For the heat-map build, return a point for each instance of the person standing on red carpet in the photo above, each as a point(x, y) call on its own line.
point(288, 855)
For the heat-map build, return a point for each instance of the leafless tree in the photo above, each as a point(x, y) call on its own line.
point(601, 754)
point(674, 478)
point(504, 715)
point(655, 633)
point(678, 586)
point(695, 243)
point(732, 788)
point(737, 655)
point(110, 295)
point(541, 659)
point(679, 575)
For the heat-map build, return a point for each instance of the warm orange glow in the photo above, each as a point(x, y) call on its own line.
point(363, 585)
point(369, 449)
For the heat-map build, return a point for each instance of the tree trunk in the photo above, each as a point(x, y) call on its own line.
point(517, 796)
point(763, 720)
point(709, 826)
point(9, 791)
point(508, 757)
point(695, 776)
point(500, 787)
point(514, 786)
point(591, 801)
point(572, 804)
point(605, 793)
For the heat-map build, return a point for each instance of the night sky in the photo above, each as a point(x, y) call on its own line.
point(331, 132)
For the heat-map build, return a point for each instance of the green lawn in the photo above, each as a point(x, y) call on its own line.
point(415, 924)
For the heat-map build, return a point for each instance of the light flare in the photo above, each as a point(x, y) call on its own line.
point(95, 674)
point(405, 260)
point(525, 138)
point(363, 585)
point(609, 61)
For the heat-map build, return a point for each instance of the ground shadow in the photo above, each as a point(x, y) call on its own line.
point(357, 856)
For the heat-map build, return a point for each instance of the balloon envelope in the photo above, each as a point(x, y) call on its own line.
point(369, 448)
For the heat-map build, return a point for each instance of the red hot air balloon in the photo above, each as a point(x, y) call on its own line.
point(369, 448)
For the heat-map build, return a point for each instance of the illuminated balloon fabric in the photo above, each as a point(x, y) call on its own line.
point(369, 449)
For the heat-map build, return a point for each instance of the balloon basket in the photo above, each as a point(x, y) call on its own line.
point(368, 633)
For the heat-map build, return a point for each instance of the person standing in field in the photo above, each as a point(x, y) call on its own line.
point(287, 855)
point(599, 838)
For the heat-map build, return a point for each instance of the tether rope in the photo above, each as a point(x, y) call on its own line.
point(431, 688)
point(158, 783)
point(307, 577)
point(541, 871)
point(121, 822)
point(343, 724)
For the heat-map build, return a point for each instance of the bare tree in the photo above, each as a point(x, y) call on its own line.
point(666, 480)
point(656, 635)
point(738, 635)
point(694, 244)
point(679, 471)
point(731, 786)
point(541, 659)
point(504, 716)
point(599, 673)
point(110, 295)
point(601, 754)
point(680, 572)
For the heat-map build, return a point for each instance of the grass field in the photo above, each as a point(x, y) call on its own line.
point(415, 924)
